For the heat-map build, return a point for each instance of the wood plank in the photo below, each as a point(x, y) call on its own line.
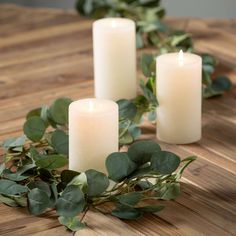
point(50, 56)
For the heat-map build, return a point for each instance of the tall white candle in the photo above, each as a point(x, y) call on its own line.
point(114, 50)
point(179, 92)
point(93, 133)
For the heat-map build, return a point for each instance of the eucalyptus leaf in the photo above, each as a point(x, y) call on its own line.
point(8, 201)
point(59, 110)
point(38, 201)
point(34, 112)
point(126, 213)
point(34, 128)
point(14, 142)
point(60, 141)
point(20, 174)
point(9, 187)
point(141, 151)
point(119, 166)
point(51, 161)
point(126, 138)
point(97, 182)
point(71, 223)
point(164, 162)
point(34, 154)
point(80, 181)
point(127, 109)
point(130, 199)
point(41, 185)
point(71, 202)
point(148, 64)
point(2, 168)
point(169, 191)
point(134, 131)
point(20, 200)
point(221, 83)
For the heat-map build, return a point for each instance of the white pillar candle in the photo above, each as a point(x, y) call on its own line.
point(179, 92)
point(114, 50)
point(93, 133)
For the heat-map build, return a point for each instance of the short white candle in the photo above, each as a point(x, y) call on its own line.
point(114, 50)
point(93, 133)
point(179, 92)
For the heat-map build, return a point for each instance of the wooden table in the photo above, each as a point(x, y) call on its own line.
point(46, 54)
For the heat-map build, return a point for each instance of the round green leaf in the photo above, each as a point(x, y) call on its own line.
point(59, 110)
point(71, 202)
point(72, 223)
point(221, 83)
point(34, 128)
point(9, 187)
point(126, 138)
point(164, 162)
point(41, 185)
point(51, 162)
point(169, 191)
point(119, 166)
point(148, 64)
point(127, 213)
point(130, 199)
point(38, 201)
point(35, 112)
point(127, 109)
point(60, 141)
point(141, 152)
point(97, 182)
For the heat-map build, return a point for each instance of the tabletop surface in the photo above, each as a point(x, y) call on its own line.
point(45, 54)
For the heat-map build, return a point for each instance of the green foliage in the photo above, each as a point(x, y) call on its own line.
point(60, 142)
point(97, 183)
point(164, 162)
point(119, 165)
point(72, 223)
point(20, 174)
point(151, 31)
point(218, 85)
point(34, 128)
point(38, 201)
point(51, 162)
point(31, 174)
point(34, 176)
point(71, 202)
point(9, 187)
point(142, 151)
point(59, 111)
point(126, 213)
point(130, 199)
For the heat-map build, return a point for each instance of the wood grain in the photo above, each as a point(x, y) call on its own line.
point(45, 54)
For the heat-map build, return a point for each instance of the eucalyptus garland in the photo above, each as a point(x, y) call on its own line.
point(34, 175)
point(31, 175)
point(151, 31)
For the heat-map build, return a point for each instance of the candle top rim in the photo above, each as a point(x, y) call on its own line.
point(173, 59)
point(94, 106)
point(113, 23)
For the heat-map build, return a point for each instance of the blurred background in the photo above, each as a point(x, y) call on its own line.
point(194, 8)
